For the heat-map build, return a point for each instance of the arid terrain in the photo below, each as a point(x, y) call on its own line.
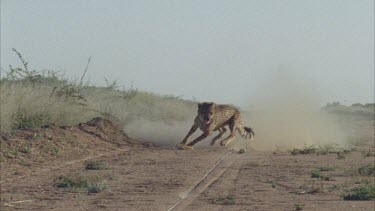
point(66, 145)
point(95, 166)
point(113, 105)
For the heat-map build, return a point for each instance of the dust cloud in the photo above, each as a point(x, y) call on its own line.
point(161, 133)
point(284, 113)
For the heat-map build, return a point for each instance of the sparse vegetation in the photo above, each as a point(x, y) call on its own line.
point(24, 74)
point(367, 170)
point(273, 184)
point(30, 99)
point(77, 181)
point(305, 150)
point(71, 182)
point(25, 149)
point(96, 187)
point(241, 151)
point(326, 178)
point(35, 137)
point(364, 192)
point(313, 149)
point(23, 120)
point(317, 174)
point(95, 165)
point(340, 155)
point(325, 149)
point(299, 206)
point(325, 168)
point(316, 188)
point(226, 200)
point(357, 110)
point(50, 149)
point(54, 150)
point(368, 153)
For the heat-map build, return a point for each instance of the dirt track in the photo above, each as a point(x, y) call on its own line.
point(154, 179)
point(144, 177)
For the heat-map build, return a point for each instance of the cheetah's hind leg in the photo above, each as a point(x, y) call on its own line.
point(222, 130)
point(228, 139)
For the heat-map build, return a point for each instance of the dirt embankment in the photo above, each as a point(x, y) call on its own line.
point(27, 151)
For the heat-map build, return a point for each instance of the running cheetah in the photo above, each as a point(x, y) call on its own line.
point(212, 117)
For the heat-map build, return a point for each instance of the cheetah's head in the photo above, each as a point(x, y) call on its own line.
point(206, 111)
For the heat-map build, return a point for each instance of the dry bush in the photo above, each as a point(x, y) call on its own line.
point(31, 98)
point(26, 101)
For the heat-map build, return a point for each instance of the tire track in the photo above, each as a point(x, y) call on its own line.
point(188, 197)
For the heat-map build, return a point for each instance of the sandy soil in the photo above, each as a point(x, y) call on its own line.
point(141, 176)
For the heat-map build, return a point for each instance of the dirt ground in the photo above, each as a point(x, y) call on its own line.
point(141, 176)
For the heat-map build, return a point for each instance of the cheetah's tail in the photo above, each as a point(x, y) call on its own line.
point(247, 132)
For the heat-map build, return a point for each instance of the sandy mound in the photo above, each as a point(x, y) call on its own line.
point(52, 145)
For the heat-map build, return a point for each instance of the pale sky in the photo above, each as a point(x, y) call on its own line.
point(219, 50)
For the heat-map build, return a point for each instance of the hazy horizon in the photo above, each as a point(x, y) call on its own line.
point(222, 51)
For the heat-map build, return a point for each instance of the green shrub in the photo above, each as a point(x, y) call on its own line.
point(298, 206)
point(22, 120)
point(241, 151)
point(96, 187)
point(365, 192)
point(305, 150)
point(71, 182)
point(368, 170)
point(95, 165)
point(26, 149)
point(227, 200)
point(315, 174)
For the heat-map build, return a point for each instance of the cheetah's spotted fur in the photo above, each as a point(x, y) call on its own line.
point(212, 117)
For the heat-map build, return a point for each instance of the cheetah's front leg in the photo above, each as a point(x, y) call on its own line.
point(200, 138)
point(191, 131)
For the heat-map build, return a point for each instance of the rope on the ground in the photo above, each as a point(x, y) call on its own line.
point(200, 180)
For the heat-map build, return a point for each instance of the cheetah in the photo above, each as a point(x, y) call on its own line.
point(214, 117)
